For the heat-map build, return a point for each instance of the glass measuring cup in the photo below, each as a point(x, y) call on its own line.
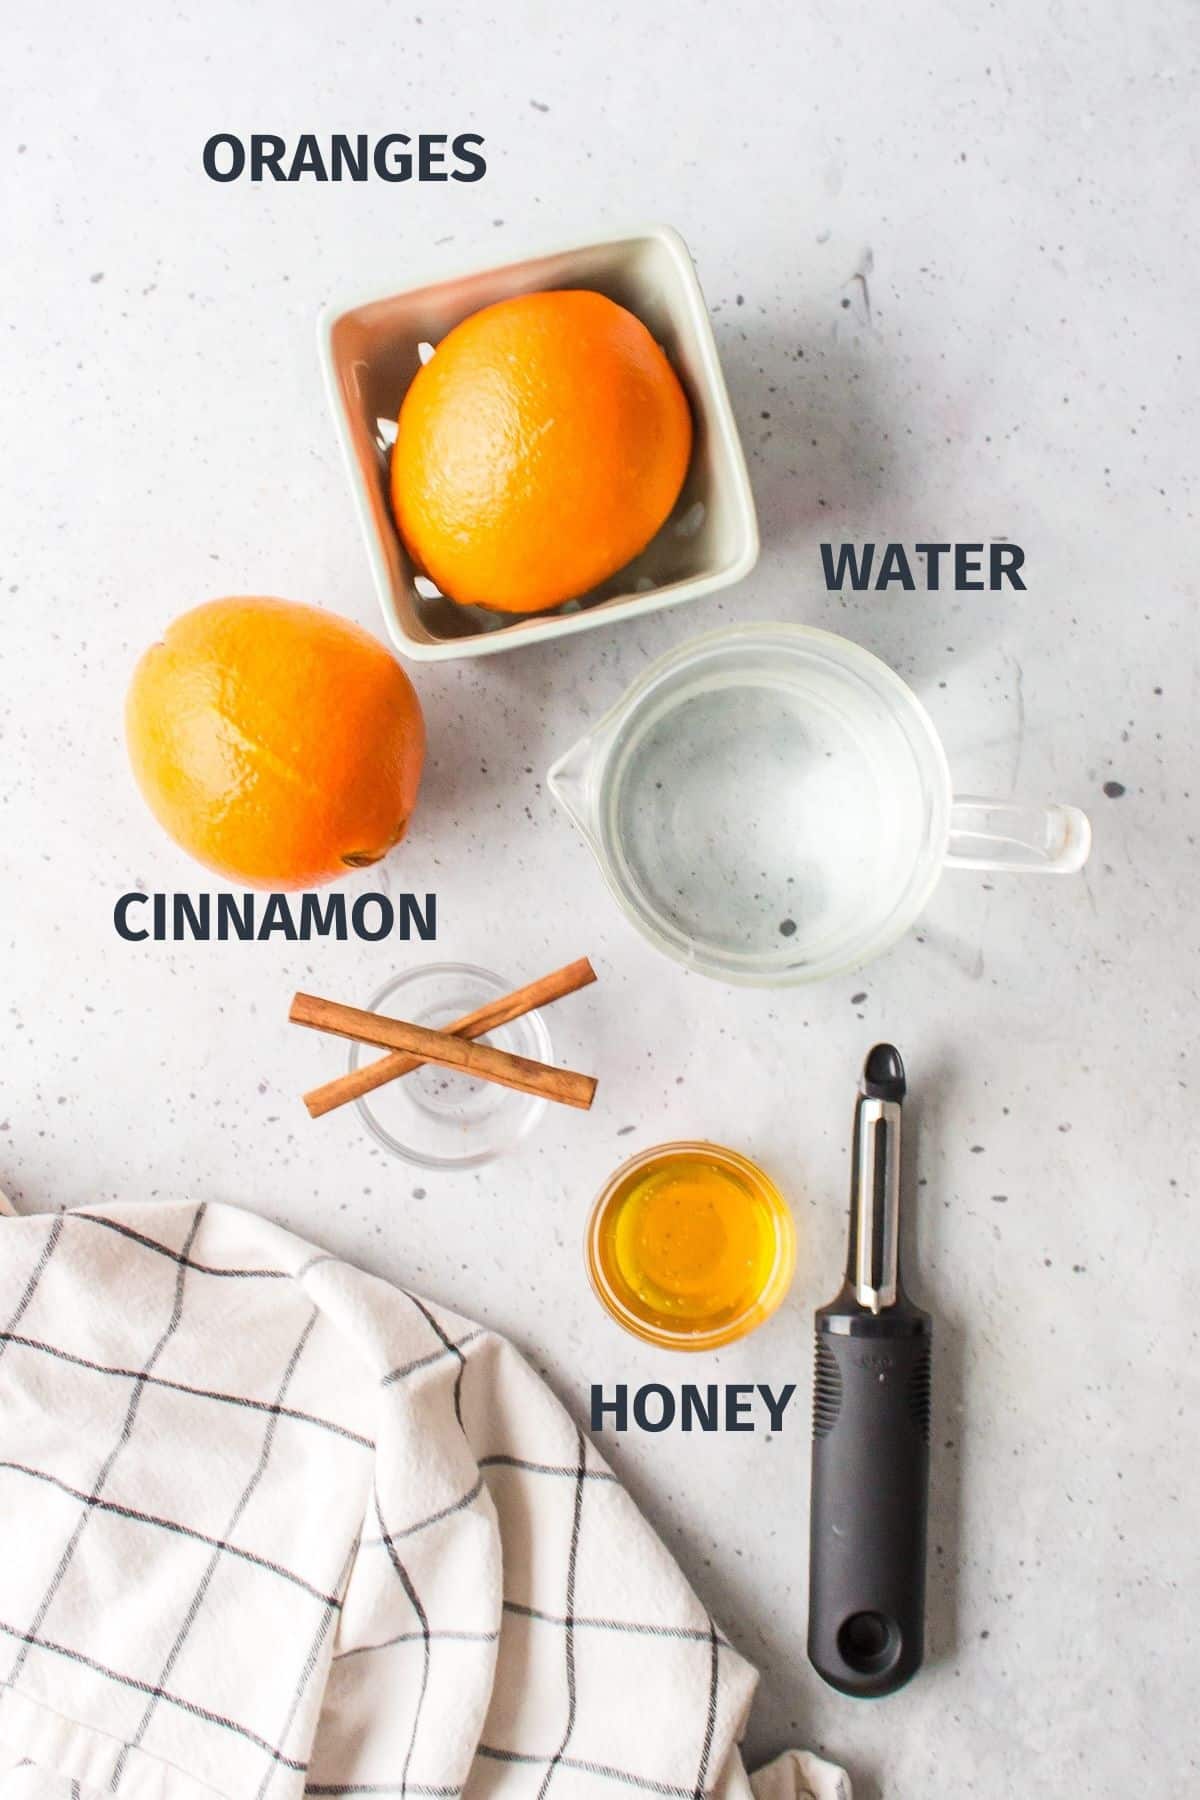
point(772, 804)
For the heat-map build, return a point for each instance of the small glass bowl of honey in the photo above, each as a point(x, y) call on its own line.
point(690, 1246)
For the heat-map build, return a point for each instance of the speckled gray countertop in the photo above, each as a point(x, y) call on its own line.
point(951, 260)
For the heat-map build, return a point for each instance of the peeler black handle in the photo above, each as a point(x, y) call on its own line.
point(870, 1496)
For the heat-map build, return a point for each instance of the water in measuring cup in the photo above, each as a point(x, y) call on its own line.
point(764, 814)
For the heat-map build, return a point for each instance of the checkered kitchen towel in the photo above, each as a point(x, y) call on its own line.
point(272, 1527)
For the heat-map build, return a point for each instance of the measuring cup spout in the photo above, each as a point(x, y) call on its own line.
point(572, 782)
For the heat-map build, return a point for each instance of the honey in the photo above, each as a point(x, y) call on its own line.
point(691, 1246)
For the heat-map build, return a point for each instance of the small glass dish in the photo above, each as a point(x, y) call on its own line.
point(438, 1117)
point(690, 1246)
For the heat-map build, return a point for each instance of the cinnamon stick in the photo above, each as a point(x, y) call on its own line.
point(442, 1048)
point(501, 1011)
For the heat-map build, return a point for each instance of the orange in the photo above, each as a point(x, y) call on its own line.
point(277, 744)
point(538, 450)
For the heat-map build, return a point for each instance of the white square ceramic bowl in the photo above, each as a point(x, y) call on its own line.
point(371, 351)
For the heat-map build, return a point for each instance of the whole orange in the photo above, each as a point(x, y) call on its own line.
point(538, 450)
point(277, 744)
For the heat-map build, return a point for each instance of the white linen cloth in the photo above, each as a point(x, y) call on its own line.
point(274, 1527)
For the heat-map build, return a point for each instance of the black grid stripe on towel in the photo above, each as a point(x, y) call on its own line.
point(143, 1378)
point(30, 1637)
point(193, 1610)
point(206, 1715)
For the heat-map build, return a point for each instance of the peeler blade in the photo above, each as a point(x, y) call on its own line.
point(874, 1261)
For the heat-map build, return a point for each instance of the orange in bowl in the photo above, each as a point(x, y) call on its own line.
point(278, 744)
point(538, 451)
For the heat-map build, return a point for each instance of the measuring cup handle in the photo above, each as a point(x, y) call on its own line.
point(1009, 835)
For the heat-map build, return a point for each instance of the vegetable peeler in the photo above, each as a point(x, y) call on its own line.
point(871, 1420)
